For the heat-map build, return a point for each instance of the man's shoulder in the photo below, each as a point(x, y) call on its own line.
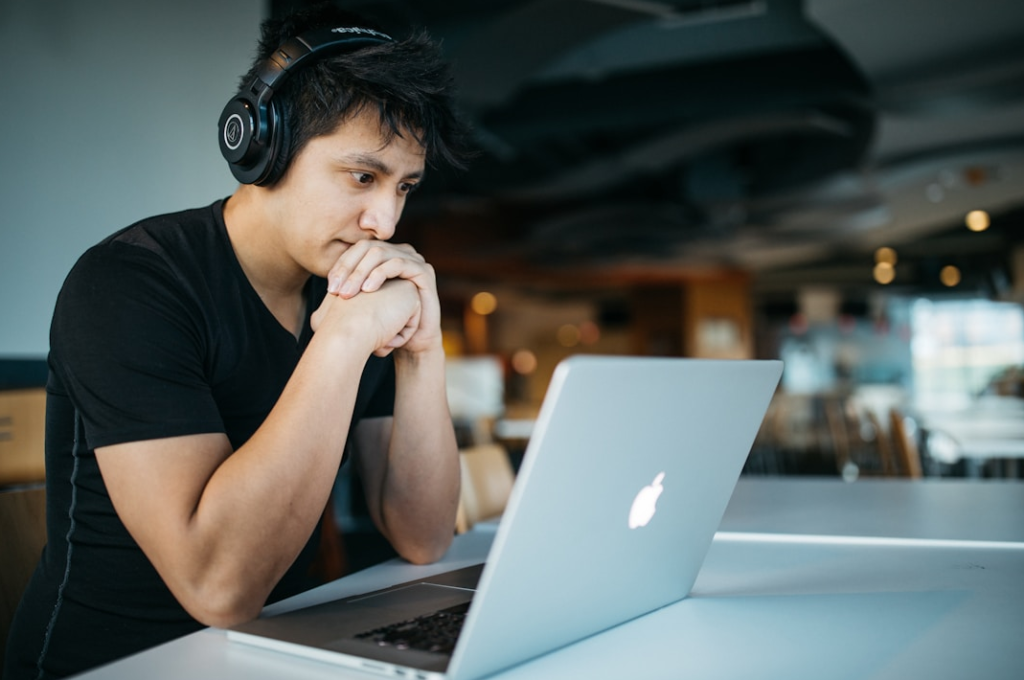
point(165, 252)
point(181, 229)
point(169, 239)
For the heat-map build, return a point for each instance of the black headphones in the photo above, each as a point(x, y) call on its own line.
point(251, 130)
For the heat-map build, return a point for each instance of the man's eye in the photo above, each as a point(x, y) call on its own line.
point(407, 187)
point(363, 177)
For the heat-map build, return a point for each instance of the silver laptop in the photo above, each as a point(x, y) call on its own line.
point(623, 484)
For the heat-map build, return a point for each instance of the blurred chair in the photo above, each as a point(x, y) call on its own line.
point(22, 432)
point(883, 445)
point(487, 478)
point(22, 537)
point(330, 562)
point(764, 457)
point(839, 434)
point(908, 456)
point(863, 448)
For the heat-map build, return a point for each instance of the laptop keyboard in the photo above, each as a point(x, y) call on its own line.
point(434, 632)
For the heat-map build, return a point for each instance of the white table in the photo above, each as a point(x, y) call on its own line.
point(930, 509)
point(807, 579)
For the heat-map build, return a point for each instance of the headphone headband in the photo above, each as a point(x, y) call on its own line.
point(320, 41)
point(249, 130)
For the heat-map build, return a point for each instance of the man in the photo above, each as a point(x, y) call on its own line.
point(209, 368)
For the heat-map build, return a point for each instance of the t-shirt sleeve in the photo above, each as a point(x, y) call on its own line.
point(128, 344)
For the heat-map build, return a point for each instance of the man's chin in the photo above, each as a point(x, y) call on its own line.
point(331, 254)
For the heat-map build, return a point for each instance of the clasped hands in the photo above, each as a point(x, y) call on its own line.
point(403, 312)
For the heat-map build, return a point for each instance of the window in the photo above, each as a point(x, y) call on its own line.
point(959, 346)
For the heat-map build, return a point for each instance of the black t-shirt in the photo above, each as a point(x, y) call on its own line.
point(156, 333)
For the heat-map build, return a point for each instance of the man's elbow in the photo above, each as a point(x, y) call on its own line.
point(221, 607)
point(425, 551)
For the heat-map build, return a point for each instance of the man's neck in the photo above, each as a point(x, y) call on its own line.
point(277, 280)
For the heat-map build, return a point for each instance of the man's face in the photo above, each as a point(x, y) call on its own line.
point(342, 188)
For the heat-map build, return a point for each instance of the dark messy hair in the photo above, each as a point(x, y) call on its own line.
point(406, 82)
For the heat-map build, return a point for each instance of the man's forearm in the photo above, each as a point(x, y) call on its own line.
point(265, 499)
point(420, 489)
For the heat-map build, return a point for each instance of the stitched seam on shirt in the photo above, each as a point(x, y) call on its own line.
point(67, 561)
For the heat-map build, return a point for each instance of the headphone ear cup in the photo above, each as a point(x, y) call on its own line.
point(243, 134)
point(236, 131)
point(279, 148)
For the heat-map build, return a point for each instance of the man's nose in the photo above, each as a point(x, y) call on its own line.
point(380, 217)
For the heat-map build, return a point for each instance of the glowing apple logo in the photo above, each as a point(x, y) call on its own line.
point(646, 503)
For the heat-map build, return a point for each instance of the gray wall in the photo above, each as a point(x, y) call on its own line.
point(108, 115)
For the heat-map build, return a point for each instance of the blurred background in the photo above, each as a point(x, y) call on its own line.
point(837, 184)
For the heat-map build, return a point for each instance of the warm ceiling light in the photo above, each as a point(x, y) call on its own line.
point(484, 303)
point(568, 335)
point(884, 273)
point(589, 333)
point(950, 276)
point(885, 255)
point(977, 220)
point(524, 362)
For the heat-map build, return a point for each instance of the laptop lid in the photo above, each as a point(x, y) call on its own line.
point(625, 479)
point(624, 482)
